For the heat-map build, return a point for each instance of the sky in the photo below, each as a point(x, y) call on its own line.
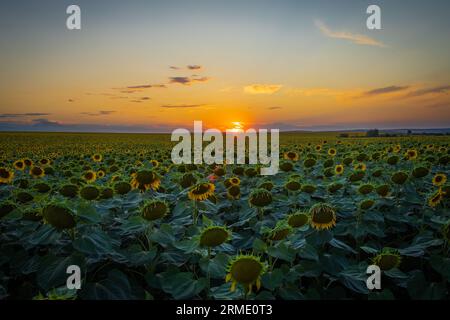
point(156, 65)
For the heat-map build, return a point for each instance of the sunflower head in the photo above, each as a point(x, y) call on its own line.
point(97, 157)
point(6, 176)
point(323, 216)
point(365, 189)
point(260, 198)
point(308, 188)
point(399, 177)
point(392, 160)
point(145, 179)
point(42, 187)
point(268, 185)
point(387, 259)
point(439, 179)
point(89, 176)
point(446, 231)
point(435, 198)
point(366, 204)
point(334, 187)
point(339, 169)
point(6, 208)
point(201, 191)
point(214, 236)
point(291, 155)
point(383, 190)
point(238, 171)
point(89, 193)
point(122, 187)
point(245, 270)
point(234, 192)
point(28, 162)
point(154, 209)
point(280, 232)
point(250, 172)
point(411, 154)
point(286, 166)
point(219, 171)
point(19, 165)
point(360, 167)
point(293, 185)
point(309, 163)
point(107, 193)
point(357, 176)
point(59, 216)
point(101, 173)
point(187, 180)
point(332, 152)
point(154, 163)
point(298, 219)
point(420, 172)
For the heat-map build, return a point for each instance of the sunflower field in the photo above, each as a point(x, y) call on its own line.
point(140, 227)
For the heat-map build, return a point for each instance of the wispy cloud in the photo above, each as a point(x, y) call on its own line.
point(274, 108)
point(20, 115)
point(182, 106)
point(100, 113)
point(187, 81)
point(385, 90)
point(262, 88)
point(194, 67)
point(355, 38)
point(147, 86)
point(433, 90)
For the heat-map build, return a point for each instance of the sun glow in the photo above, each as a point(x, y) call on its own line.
point(238, 126)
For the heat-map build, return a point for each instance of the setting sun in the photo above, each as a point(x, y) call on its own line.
point(237, 126)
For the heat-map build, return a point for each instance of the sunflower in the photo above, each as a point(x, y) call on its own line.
point(28, 162)
point(100, 173)
point(234, 192)
point(89, 176)
point(332, 152)
point(435, 199)
point(291, 155)
point(446, 231)
point(201, 191)
point(260, 198)
point(97, 157)
point(59, 216)
point(145, 179)
point(318, 147)
point(280, 232)
point(234, 181)
point(339, 169)
point(247, 271)
point(298, 219)
point(44, 162)
point(155, 163)
point(439, 179)
point(214, 236)
point(19, 165)
point(360, 167)
point(154, 209)
point(387, 259)
point(323, 216)
point(411, 154)
point(37, 172)
point(6, 176)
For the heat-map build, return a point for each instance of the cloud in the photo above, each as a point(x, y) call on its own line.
point(145, 98)
point(194, 67)
point(20, 115)
point(45, 122)
point(70, 100)
point(355, 38)
point(174, 68)
point(274, 108)
point(385, 90)
point(187, 81)
point(433, 90)
point(182, 106)
point(100, 113)
point(262, 88)
point(147, 86)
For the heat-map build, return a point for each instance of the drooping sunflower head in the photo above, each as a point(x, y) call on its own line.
point(366, 204)
point(6, 176)
point(19, 165)
point(187, 180)
point(6, 208)
point(280, 232)
point(286, 166)
point(122, 187)
point(37, 172)
point(234, 192)
point(293, 185)
point(214, 236)
point(339, 169)
point(383, 190)
point(334, 187)
point(365, 189)
point(69, 190)
point(420, 172)
point(59, 216)
point(219, 171)
point(308, 188)
point(399, 177)
point(446, 231)
point(201, 191)
point(154, 209)
point(260, 198)
point(145, 179)
point(268, 185)
point(439, 179)
point(298, 219)
point(89, 192)
point(97, 157)
point(323, 216)
point(411, 154)
point(360, 167)
point(291, 155)
point(245, 270)
point(387, 259)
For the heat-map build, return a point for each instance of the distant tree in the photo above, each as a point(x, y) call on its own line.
point(373, 133)
point(343, 135)
point(409, 132)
